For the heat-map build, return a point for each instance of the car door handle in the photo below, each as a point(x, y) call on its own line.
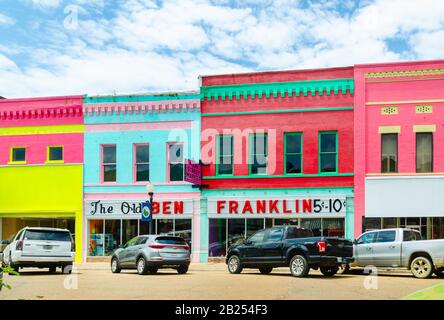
point(369, 248)
point(392, 247)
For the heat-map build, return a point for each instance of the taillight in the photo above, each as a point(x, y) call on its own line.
point(322, 246)
point(73, 247)
point(157, 246)
point(162, 246)
point(19, 245)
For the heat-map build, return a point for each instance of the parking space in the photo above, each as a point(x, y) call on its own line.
point(209, 281)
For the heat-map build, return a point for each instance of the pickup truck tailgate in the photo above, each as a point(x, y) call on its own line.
point(339, 247)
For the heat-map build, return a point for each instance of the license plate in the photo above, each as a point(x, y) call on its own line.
point(47, 247)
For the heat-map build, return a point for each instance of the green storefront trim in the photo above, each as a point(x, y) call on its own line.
point(239, 113)
point(275, 89)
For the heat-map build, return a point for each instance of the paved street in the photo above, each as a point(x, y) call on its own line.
point(207, 281)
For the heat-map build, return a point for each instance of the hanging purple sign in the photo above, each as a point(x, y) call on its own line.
point(193, 172)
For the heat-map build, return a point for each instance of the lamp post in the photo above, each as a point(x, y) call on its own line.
point(150, 191)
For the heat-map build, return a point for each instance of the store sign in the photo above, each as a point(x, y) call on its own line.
point(164, 208)
point(277, 207)
point(193, 172)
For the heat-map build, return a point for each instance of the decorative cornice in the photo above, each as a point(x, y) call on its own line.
point(141, 107)
point(277, 88)
point(40, 113)
point(405, 73)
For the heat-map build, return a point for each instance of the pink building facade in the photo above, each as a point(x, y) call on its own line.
point(399, 147)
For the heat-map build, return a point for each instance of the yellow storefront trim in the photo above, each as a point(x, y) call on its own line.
point(69, 128)
point(424, 128)
point(389, 129)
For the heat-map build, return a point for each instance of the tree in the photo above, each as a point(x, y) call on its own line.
point(8, 271)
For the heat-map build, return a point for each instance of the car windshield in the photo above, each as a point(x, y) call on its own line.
point(47, 235)
point(170, 240)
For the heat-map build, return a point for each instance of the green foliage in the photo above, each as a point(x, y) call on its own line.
point(7, 270)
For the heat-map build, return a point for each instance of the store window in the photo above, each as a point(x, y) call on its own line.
point(147, 227)
point(236, 231)
point(55, 154)
point(438, 228)
point(18, 155)
point(175, 162)
point(112, 236)
point(259, 153)
point(293, 153)
point(388, 223)
point(333, 227)
point(182, 228)
point(315, 225)
point(142, 162)
point(224, 151)
point(217, 237)
point(129, 229)
point(328, 152)
point(109, 165)
point(96, 243)
point(424, 152)
point(254, 225)
point(389, 153)
point(165, 227)
point(371, 224)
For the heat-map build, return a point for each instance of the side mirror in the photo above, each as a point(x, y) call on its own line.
point(248, 242)
point(355, 241)
point(5, 242)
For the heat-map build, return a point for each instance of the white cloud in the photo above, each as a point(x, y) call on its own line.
point(46, 3)
point(146, 45)
point(5, 20)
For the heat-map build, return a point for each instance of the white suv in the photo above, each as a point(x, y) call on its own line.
point(40, 247)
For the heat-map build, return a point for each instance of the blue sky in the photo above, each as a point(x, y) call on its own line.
point(58, 47)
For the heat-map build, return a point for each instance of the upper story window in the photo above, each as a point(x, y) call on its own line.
point(389, 152)
point(18, 155)
point(293, 152)
point(259, 153)
point(142, 162)
point(424, 152)
point(175, 162)
point(109, 163)
point(54, 154)
point(224, 155)
point(328, 152)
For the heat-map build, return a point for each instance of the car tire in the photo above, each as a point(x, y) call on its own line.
point(439, 272)
point(329, 271)
point(152, 270)
point(52, 269)
point(299, 266)
point(421, 267)
point(234, 265)
point(141, 266)
point(115, 266)
point(344, 269)
point(182, 269)
point(67, 269)
point(265, 270)
point(12, 265)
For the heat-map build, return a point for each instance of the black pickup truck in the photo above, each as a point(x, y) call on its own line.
point(289, 246)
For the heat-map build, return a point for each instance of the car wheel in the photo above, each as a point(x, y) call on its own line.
point(67, 269)
point(299, 266)
point(265, 270)
point(234, 265)
point(439, 272)
point(329, 271)
point(421, 267)
point(344, 269)
point(152, 270)
point(141, 266)
point(182, 269)
point(12, 265)
point(115, 267)
point(52, 269)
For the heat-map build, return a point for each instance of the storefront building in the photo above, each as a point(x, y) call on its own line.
point(277, 149)
point(399, 147)
point(130, 141)
point(41, 165)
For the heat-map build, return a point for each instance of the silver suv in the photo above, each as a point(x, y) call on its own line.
point(148, 253)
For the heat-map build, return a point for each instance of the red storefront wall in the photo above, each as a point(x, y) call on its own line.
point(308, 122)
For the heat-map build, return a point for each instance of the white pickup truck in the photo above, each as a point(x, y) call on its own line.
point(399, 248)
